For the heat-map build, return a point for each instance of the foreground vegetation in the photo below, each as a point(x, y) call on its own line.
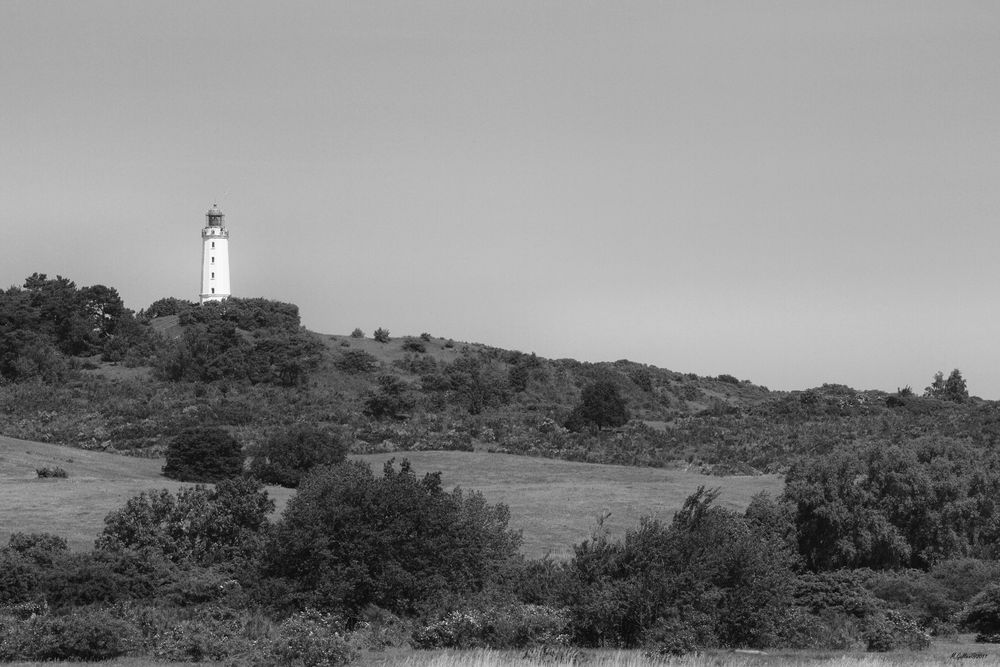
point(884, 535)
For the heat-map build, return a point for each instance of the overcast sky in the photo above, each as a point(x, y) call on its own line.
point(792, 192)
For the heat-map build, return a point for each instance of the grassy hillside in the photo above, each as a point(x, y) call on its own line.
point(555, 503)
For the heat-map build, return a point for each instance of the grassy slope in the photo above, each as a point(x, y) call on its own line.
point(73, 508)
point(556, 503)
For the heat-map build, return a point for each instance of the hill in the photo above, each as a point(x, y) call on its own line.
point(78, 368)
point(555, 503)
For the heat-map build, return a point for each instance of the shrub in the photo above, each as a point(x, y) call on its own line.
point(982, 614)
point(708, 575)
point(84, 634)
point(426, 337)
point(353, 362)
point(51, 472)
point(357, 333)
point(197, 524)
point(349, 539)
point(728, 379)
point(205, 454)
point(40, 548)
point(381, 335)
point(391, 400)
point(892, 630)
point(312, 639)
point(411, 345)
point(497, 626)
point(287, 455)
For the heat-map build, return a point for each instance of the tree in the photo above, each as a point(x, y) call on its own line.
point(349, 539)
point(286, 456)
point(953, 389)
point(381, 335)
point(391, 400)
point(203, 454)
point(600, 406)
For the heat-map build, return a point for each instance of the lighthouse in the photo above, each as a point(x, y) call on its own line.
point(214, 257)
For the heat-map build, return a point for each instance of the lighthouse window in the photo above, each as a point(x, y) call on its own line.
point(213, 274)
point(213, 260)
point(213, 244)
point(213, 290)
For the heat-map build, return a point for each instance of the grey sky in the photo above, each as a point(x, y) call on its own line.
point(792, 192)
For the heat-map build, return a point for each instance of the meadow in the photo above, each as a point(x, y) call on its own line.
point(555, 503)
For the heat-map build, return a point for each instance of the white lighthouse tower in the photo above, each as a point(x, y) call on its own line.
point(214, 257)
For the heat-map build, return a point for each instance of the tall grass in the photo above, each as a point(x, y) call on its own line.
point(575, 658)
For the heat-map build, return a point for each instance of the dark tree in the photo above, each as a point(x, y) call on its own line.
point(286, 456)
point(392, 399)
point(600, 406)
point(204, 454)
point(349, 539)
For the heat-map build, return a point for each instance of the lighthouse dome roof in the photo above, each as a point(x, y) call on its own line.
point(215, 210)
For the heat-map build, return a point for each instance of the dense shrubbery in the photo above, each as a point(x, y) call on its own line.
point(207, 454)
point(349, 539)
point(497, 626)
point(197, 524)
point(707, 576)
point(290, 453)
point(253, 340)
point(896, 506)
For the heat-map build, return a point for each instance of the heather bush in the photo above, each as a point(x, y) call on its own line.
point(496, 626)
point(83, 634)
point(309, 638)
point(357, 333)
point(381, 335)
point(53, 471)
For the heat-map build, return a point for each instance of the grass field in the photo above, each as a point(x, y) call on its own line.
point(555, 503)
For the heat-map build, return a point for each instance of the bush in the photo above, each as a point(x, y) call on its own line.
point(353, 362)
point(497, 626)
point(982, 614)
point(51, 472)
point(381, 335)
point(40, 548)
point(84, 634)
point(391, 400)
point(206, 454)
point(411, 345)
point(708, 575)
point(426, 337)
point(312, 639)
point(289, 454)
point(349, 539)
point(357, 333)
point(201, 525)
